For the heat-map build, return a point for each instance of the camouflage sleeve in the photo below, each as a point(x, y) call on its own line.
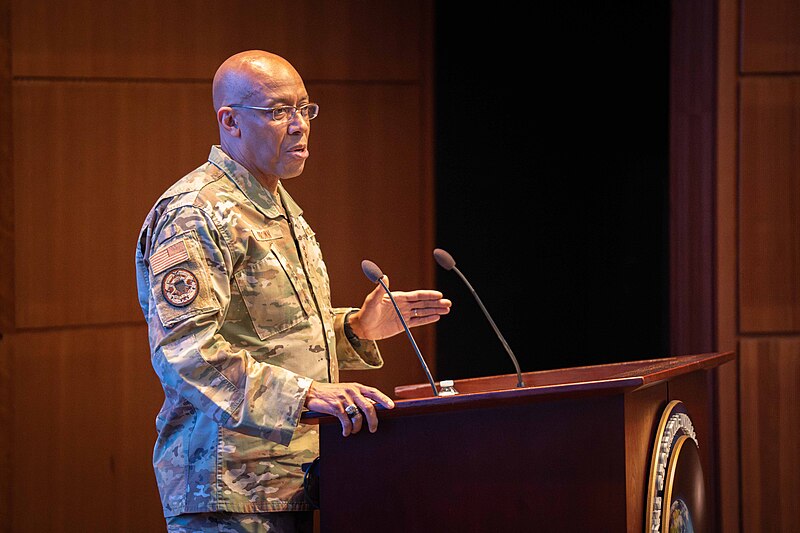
point(189, 272)
point(361, 355)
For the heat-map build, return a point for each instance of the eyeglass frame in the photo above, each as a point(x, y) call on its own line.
point(272, 110)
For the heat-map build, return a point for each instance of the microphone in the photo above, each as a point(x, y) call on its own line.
point(375, 275)
point(447, 262)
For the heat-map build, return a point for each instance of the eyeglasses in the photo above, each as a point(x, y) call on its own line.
point(287, 112)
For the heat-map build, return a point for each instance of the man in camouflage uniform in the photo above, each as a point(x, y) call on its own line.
point(242, 333)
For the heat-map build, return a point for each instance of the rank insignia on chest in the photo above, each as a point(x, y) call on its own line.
point(267, 234)
point(179, 287)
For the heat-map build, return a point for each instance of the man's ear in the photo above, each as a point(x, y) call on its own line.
point(227, 121)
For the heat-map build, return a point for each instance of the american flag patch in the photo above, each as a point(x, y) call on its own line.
point(169, 256)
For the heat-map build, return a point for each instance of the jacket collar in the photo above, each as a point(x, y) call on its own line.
point(251, 188)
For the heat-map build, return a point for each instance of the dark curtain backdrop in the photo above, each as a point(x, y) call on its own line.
point(552, 179)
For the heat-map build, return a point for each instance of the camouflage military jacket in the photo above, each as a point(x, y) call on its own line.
point(237, 301)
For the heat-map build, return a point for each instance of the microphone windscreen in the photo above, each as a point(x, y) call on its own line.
point(371, 270)
point(444, 259)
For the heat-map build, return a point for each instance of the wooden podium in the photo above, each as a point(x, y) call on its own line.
point(570, 451)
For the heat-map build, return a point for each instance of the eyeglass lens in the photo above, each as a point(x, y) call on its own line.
point(308, 111)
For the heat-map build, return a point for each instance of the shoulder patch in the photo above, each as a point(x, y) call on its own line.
point(180, 287)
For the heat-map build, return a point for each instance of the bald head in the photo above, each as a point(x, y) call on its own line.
point(250, 73)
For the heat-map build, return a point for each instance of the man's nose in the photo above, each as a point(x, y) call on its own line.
point(299, 123)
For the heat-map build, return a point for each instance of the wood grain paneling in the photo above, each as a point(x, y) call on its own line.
point(82, 431)
point(6, 178)
point(90, 159)
point(327, 39)
point(643, 410)
point(770, 40)
point(726, 322)
point(6, 440)
point(769, 229)
point(6, 262)
point(770, 431)
point(691, 190)
point(370, 203)
point(727, 410)
point(556, 465)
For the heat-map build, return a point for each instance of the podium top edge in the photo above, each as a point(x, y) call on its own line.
point(647, 370)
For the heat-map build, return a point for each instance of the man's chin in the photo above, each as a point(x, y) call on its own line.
point(293, 172)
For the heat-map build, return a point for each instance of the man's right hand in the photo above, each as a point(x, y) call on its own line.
point(334, 399)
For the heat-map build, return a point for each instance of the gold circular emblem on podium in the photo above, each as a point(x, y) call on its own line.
point(676, 488)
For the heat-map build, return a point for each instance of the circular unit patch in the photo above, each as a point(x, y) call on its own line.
point(179, 287)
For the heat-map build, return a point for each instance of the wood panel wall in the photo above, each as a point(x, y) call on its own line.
point(6, 258)
point(769, 263)
point(724, 260)
point(770, 413)
point(702, 231)
point(757, 253)
point(736, 239)
point(102, 106)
